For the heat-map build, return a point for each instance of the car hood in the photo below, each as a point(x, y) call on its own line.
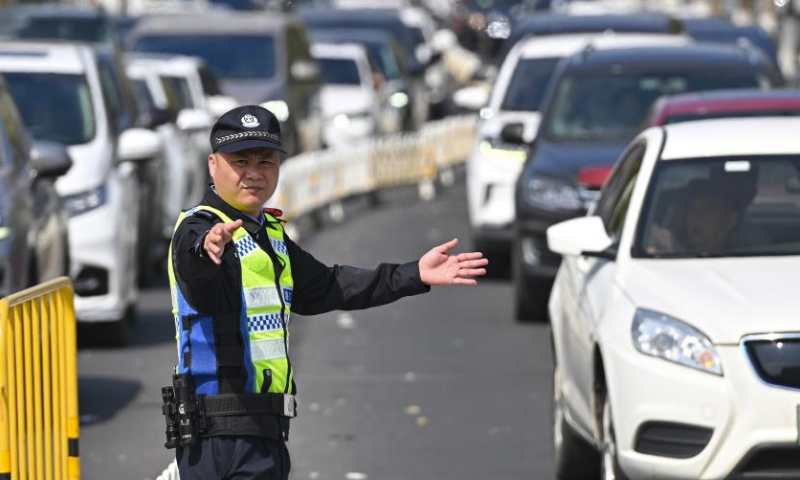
point(91, 166)
point(565, 160)
point(491, 127)
point(252, 92)
point(345, 99)
point(724, 298)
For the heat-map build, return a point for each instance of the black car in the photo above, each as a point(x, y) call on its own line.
point(561, 24)
point(595, 105)
point(33, 223)
point(258, 59)
point(717, 30)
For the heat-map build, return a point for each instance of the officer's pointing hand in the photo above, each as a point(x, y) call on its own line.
point(437, 267)
point(216, 239)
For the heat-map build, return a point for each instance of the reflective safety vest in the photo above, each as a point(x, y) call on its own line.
point(261, 363)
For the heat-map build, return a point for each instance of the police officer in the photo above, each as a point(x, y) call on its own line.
point(235, 277)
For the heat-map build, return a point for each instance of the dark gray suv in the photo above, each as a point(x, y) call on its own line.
point(33, 223)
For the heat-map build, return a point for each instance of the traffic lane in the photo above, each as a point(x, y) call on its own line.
point(119, 389)
point(445, 385)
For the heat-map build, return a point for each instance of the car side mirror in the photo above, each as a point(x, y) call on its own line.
point(471, 98)
point(50, 159)
point(579, 236)
point(193, 119)
point(513, 133)
point(220, 104)
point(304, 71)
point(137, 144)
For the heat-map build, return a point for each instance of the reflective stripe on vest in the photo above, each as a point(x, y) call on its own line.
point(263, 321)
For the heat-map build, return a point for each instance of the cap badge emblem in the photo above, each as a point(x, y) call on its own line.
point(250, 121)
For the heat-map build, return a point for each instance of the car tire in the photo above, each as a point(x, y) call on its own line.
point(530, 294)
point(574, 459)
point(609, 466)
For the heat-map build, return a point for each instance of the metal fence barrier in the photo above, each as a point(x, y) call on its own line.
point(39, 384)
point(313, 180)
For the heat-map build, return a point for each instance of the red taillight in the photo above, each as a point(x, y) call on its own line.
point(593, 177)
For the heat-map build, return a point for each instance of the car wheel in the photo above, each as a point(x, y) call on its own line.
point(574, 459)
point(609, 467)
point(530, 294)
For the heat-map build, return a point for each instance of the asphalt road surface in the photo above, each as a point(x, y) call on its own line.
point(443, 386)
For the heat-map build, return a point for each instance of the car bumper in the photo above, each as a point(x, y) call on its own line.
point(745, 415)
point(357, 129)
point(102, 258)
point(491, 179)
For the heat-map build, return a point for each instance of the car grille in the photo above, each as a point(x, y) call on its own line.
point(775, 358)
point(769, 461)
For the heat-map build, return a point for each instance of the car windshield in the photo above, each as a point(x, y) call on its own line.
point(93, 30)
point(385, 60)
point(606, 106)
point(340, 71)
point(72, 123)
point(228, 56)
point(722, 207)
point(528, 84)
point(743, 113)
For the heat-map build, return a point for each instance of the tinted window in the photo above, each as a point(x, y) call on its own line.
point(228, 56)
point(600, 106)
point(93, 30)
point(14, 130)
point(385, 59)
point(722, 207)
point(528, 84)
point(179, 86)
point(143, 95)
point(209, 81)
point(72, 123)
point(111, 93)
point(340, 71)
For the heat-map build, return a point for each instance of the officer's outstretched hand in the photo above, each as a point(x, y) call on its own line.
point(216, 239)
point(438, 268)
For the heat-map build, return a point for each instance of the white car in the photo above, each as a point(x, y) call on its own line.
point(60, 95)
point(187, 169)
point(350, 103)
point(510, 121)
point(674, 311)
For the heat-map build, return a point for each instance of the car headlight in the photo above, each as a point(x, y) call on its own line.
point(497, 152)
point(662, 336)
point(398, 99)
point(279, 108)
point(343, 120)
point(86, 201)
point(550, 194)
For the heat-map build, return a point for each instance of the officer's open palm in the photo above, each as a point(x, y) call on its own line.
point(216, 239)
point(438, 267)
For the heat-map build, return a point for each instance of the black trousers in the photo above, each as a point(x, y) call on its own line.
point(234, 458)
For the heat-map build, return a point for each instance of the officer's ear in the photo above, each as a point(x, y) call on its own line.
point(212, 164)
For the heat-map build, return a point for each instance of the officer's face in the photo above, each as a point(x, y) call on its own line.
point(246, 179)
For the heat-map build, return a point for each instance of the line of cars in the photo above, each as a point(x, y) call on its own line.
point(653, 181)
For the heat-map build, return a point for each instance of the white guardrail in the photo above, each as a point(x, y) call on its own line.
point(312, 181)
point(316, 180)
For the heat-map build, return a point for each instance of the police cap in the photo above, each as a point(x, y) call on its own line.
point(248, 126)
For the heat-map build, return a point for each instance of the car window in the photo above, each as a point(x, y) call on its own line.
point(73, 123)
point(94, 30)
point(179, 86)
point(722, 207)
point(143, 95)
point(582, 101)
point(14, 130)
point(111, 94)
point(228, 56)
point(612, 206)
point(528, 84)
point(208, 81)
point(340, 71)
point(298, 45)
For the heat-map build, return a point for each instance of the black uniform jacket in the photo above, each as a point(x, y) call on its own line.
point(214, 289)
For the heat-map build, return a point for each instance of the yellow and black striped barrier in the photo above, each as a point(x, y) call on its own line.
point(39, 384)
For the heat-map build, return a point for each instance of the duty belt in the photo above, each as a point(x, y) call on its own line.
point(230, 404)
